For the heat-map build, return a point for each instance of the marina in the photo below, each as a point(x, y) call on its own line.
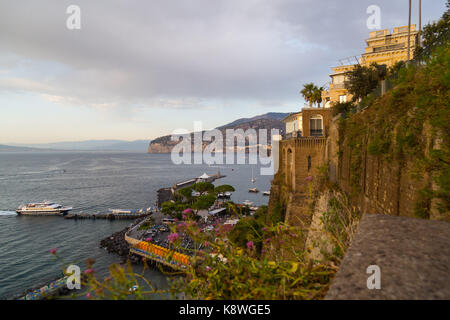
point(92, 183)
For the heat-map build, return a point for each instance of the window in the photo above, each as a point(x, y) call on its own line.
point(343, 98)
point(316, 125)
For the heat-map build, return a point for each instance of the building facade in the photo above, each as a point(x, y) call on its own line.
point(383, 47)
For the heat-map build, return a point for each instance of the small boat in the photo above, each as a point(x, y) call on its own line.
point(247, 203)
point(254, 190)
point(254, 208)
point(266, 193)
point(252, 180)
point(42, 208)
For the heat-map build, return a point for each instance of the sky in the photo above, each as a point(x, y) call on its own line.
point(141, 69)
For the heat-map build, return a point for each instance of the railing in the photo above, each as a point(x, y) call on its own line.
point(338, 86)
point(389, 47)
point(316, 132)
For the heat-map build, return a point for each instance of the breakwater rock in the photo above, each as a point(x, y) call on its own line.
point(116, 243)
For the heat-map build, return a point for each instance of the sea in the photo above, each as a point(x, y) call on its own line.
point(89, 182)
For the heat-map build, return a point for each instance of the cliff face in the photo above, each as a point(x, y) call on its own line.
point(391, 158)
point(165, 145)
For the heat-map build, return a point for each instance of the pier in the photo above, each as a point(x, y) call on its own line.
point(166, 194)
point(107, 216)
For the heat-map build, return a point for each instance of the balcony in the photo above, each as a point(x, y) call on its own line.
point(389, 48)
point(316, 133)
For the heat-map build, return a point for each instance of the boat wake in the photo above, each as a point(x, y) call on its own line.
point(7, 213)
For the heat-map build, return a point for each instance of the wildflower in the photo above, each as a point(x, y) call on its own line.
point(206, 243)
point(88, 271)
point(208, 268)
point(308, 178)
point(267, 240)
point(250, 244)
point(149, 239)
point(88, 295)
point(172, 237)
point(53, 251)
point(187, 211)
point(264, 229)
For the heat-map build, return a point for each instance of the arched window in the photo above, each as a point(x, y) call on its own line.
point(316, 125)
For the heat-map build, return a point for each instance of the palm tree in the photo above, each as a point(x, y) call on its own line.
point(317, 96)
point(308, 92)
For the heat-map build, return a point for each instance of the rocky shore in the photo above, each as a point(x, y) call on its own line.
point(116, 243)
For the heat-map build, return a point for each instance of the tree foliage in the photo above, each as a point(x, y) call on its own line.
point(224, 188)
point(435, 34)
point(363, 80)
point(203, 187)
point(312, 94)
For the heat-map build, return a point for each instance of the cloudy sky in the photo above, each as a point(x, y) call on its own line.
point(140, 69)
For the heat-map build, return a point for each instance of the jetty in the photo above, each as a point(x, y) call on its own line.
point(166, 194)
point(109, 215)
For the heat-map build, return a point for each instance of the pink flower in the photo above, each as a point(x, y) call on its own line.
point(206, 243)
point(88, 295)
point(172, 237)
point(53, 251)
point(308, 178)
point(267, 240)
point(208, 268)
point(88, 271)
point(264, 229)
point(149, 239)
point(188, 210)
point(250, 244)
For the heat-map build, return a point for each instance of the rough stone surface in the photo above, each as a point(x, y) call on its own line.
point(413, 255)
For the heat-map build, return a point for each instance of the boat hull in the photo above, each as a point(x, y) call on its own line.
point(42, 213)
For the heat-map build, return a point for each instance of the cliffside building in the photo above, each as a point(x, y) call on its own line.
point(383, 47)
point(311, 138)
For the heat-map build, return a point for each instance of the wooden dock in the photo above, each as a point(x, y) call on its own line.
point(108, 216)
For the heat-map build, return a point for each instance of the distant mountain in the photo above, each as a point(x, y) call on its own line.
point(5, 148)
point(271, 120)
point(271, 115)
point(93, 145)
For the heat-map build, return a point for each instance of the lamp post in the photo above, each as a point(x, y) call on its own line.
point(409, 31)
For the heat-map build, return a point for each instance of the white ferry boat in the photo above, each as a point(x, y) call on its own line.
point(43, 208)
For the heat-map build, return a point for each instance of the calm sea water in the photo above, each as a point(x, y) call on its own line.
point(89, 182)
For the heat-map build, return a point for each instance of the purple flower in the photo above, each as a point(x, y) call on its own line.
point(208, 268)
point(53, 251)
point(172, 237)
point(88, 295)
point(88, 271)
point(308, 178)
point(250, 244)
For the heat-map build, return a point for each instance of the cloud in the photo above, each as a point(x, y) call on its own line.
point(179, 54)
